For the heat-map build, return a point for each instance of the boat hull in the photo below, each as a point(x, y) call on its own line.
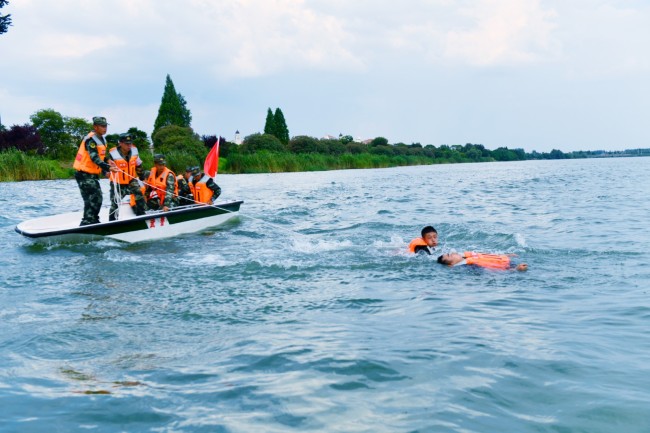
point(157, 225)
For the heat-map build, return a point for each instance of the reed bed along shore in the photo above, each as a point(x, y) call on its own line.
point(17, 166)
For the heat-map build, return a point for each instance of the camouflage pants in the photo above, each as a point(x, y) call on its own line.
point(132, 188)
point(91, 193)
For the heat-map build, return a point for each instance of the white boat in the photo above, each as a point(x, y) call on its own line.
point(129, 227)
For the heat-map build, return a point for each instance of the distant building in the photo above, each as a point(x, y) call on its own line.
point(237, 137)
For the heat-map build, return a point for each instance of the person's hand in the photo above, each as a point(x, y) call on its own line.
point(165, 208)
point(113, 166)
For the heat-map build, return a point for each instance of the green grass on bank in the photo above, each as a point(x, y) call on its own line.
point(16, 165)
point(267, 162)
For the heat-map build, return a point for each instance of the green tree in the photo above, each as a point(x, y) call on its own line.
point(5, 20)
point(557, 154)
point(180, 145)
point(332, 147)
point(76, 128)
point(269, 124)
point(345, 139)
point(303, 144)
point(379, 141)
point(504, 154)
point(140, 138)
point(173, 110)
point(112, 139)
point(51, 127)
point(258, 142)
point(281, 129)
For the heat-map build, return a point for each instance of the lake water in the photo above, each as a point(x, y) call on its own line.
point(305, 313)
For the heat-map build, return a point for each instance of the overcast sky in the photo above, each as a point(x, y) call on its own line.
point(563, 74)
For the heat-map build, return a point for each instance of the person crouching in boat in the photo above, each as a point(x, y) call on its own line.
point(128, 161)
point(162, 189)
point(204, 188)
point(89, 164)
point(425, 244)
point(185, 195)
point(482, 260)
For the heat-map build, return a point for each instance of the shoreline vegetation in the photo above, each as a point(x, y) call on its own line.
point(16, 165)
point(45, 148)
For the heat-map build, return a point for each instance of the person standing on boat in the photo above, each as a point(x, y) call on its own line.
point(185, 195)
point(89, 164)
point(425, 244)
point(205, 189)
point(162, 188)
point(128, 161)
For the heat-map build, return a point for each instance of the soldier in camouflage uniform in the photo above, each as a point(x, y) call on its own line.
point(185, 196)
point(161, 183)
point(200, 178)
point(126, 157)
point(89, 165)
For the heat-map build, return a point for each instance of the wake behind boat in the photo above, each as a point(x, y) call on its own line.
point(129, 227)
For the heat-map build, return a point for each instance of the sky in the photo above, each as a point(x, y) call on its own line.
point(532, 74)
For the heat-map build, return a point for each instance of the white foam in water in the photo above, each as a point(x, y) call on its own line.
point(520, 239)
point(201, 259)
point(121, 256)
point(303, 245)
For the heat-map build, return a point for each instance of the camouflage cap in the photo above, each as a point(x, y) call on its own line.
point(196, 170)
point(126, 138)
point(99, 120)
point(159, 158)
point(188, 169)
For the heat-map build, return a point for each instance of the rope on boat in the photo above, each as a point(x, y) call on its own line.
point(204, 204)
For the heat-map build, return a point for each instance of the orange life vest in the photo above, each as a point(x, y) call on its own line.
point(82, 161)
point(158, 184)
point(490, 261)
point(417, 242)
point(202, 193)
point(127, 173)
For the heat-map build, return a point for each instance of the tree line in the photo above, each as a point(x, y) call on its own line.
point(52, 135)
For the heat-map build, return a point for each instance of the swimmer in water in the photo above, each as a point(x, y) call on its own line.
point(482, 260)
point(425, 244)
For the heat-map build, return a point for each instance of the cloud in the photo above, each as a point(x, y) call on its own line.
point(503, 33)
point(421, 70)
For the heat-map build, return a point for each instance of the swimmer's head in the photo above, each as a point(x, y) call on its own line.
point(450, 259)
point(430, 236)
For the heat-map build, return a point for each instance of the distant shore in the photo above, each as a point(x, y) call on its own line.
point(19, 166)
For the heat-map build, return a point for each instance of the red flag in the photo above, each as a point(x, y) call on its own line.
point(212, 160)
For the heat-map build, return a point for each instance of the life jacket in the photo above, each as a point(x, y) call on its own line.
point(490, 261)
point(202, 193)
point(158, 184)
point(127, 173)
point(417, 242)
point(191, 182)
point(142, 189)
point(82, 161)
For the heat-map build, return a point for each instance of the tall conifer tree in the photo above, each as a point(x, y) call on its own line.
point(173, 110)
point(5, 20)
point(281, 129)
point(269, 125)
